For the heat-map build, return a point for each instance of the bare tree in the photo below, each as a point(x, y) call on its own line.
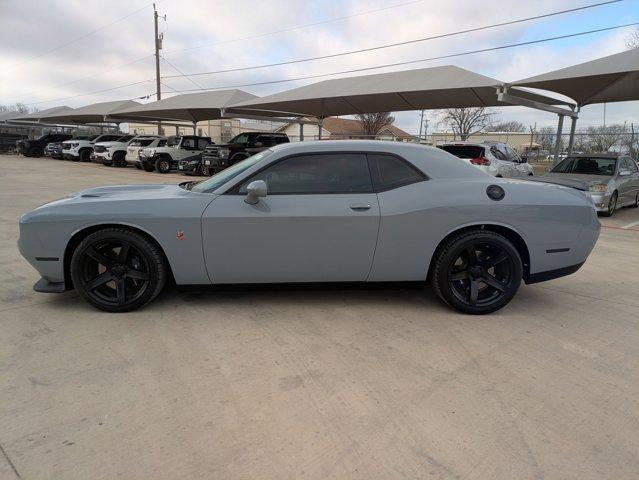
point(17, 107)
point(507, 126)
point(467, 121)
point(545, 137)
point(373, 123)
point(604, 137)
point(633, 40)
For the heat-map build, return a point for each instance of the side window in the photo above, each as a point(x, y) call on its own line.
point(632, 165)
point(264, 140)
point(202, 143)
point(512, 155)
point(281, 139)
point(320, 173)
point(497, 153)
point(623, 164)
point(390, 172)
point(188, 144)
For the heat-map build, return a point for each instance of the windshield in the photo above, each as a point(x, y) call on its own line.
point(173, 141)
point(240, 139)
point(125, 138)
point(587, 166)
point(464, 151)
point(219, 179)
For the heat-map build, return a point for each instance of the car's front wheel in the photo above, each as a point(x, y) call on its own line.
point(117, 270)
point(477, 272)
point(85, 155)
point(612, 206)
point(163, 165)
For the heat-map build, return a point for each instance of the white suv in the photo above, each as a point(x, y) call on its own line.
point(140, 142)
point(111, 153)
point(80, 150)
point(495, 158)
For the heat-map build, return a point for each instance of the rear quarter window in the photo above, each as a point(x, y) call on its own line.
point(390, 172)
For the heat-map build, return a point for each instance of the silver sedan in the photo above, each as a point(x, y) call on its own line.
point(612, 181)
point(341, 211)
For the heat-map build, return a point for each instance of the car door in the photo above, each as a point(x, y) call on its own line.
point(519, 168)
point(625, 182)
point(318, 223)
point(634, 179)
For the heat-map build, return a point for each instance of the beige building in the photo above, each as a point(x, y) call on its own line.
point(336, 128)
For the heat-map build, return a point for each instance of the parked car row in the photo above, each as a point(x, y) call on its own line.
point(495, 158)
point(189, 154)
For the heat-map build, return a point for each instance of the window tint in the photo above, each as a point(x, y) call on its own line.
point(464, 151)
point(202, 143)
point(281, 139)
point(265, 140)
point(586, 165)
point(390, 172)
point(322, 173)
point(631, 164)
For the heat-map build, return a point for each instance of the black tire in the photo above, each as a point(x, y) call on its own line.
point(36, 152)
point(118, 270)
point(163, 165)
point(85, 155)
point(206, 171)
point(612, 206)
point(477, 272)
point(636, 204)
point(118, 159)
point(138, 166)
point(147, 168)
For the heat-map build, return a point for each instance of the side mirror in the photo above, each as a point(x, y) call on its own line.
point(254, 191)
point(523, 159)
point(624, 173)
point(258, 144)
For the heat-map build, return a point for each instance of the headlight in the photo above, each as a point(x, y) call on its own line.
point(150, 152)
point(598, 187)
point(75, 145)
point(224, 152)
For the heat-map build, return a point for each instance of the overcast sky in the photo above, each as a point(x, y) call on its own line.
point(65, 52)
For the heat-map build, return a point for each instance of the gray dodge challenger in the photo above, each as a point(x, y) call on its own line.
point(340, 211)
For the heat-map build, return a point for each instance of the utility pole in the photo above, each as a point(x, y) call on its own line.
point(158, 47)
point(421, 124)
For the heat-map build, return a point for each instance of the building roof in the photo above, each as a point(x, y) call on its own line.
point(351, 127)
point(614, 78)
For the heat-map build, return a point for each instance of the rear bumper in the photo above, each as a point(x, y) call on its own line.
point(552, 274)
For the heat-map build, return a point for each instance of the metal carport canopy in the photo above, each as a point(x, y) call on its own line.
point(94, 113)
point(426, 88)
point(37, 116)
point(614, 78)
point(191, 107)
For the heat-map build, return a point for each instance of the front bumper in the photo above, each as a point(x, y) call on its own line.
point(188, 168)
point(600, 200)
point(215, 164)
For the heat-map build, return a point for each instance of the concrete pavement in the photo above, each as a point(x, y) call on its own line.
point(315, 383)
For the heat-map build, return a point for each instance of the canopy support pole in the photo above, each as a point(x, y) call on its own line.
point(301, 132)
point(560, 126)
point(194, 128)
point(320, 125)
point(571, 141)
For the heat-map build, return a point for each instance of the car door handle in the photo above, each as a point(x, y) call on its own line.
point(361, 206)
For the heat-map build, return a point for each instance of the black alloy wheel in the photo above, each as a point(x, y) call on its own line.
point(118, 159)
point(477, 272)
point(117, 270)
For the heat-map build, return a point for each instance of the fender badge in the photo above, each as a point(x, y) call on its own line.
point(179, 235)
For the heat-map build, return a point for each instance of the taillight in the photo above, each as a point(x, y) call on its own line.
point(480, 161)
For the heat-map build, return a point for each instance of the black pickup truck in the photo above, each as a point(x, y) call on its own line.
point(35, 148)
point(217, 157)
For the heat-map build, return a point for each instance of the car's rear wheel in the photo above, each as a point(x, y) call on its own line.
point(147, 168)
point(636, 204)
point(612, 206)
point(163, 165)
point(477, 272)
point(117, 270)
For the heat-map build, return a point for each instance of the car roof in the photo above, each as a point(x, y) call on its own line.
point(596, 155)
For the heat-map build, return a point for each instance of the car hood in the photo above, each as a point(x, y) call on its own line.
point(111, 200)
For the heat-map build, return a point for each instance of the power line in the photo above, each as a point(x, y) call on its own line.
point(296, 27)
point(180, 71)
point(363, 69)
point(408, 62)
point(88, 34)
point(389, 45)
